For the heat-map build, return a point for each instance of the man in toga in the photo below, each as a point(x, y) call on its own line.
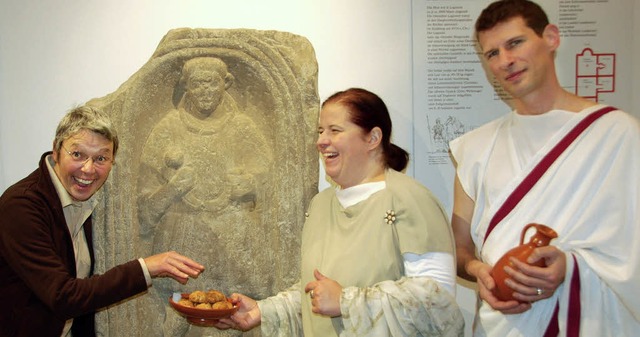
point(590, 194)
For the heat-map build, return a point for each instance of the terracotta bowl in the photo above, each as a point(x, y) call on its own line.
point(202, 317)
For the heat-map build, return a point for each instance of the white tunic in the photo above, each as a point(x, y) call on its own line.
point(590, 196)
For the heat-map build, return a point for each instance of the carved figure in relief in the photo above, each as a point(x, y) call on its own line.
point(201, 177)
point(198, 124)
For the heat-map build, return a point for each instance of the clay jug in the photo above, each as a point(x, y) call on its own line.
point(541, 238)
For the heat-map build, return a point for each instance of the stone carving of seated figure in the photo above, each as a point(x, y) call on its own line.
point(202, 168)
point(199, 124)
point(205, 155)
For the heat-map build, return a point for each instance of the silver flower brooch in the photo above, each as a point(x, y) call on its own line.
point(390, 217)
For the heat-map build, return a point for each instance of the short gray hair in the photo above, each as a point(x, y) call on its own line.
point(88, 118)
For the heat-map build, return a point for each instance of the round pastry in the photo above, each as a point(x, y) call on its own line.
point(222, 305)
point(185, 302)
point(198, 297)
point(214, 296)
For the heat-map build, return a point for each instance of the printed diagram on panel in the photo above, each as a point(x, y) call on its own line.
point(444, 129)
point(595, 74)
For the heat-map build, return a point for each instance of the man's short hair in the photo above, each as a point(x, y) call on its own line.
point(504, 10)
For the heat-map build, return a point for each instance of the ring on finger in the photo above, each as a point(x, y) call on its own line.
point(539, 291)
point(311, 293)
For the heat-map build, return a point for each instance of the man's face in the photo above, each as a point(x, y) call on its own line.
point(204, 90)
point(83, 178)
point(520, 60)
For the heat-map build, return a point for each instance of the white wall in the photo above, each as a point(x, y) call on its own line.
point(56, 54)
point(635, 69)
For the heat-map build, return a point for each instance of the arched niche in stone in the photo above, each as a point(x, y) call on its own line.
point(249, 242)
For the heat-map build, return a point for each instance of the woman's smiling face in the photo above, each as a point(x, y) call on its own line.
point(83, 179)
point(343, 146)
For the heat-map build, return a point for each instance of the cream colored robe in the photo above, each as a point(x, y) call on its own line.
point(362, 251)
point(590, 196)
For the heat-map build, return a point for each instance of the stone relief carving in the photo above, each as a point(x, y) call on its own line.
point(218, 162)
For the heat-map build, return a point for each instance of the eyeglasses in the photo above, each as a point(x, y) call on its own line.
point(81, 157)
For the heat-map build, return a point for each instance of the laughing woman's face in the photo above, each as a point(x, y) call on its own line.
point(343, 145)
point(83, 163)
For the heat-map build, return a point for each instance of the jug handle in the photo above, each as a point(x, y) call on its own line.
point(524, 231)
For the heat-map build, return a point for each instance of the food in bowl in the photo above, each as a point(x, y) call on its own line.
point(211, 299)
